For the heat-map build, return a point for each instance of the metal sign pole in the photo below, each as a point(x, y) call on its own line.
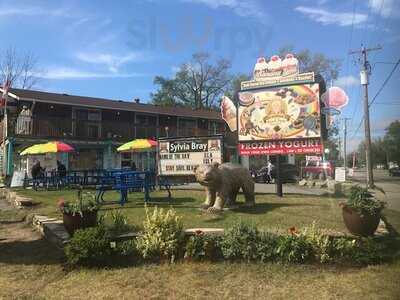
point(279, 191)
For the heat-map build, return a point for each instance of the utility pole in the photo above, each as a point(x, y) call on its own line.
point(364, 73)
point(345, 142)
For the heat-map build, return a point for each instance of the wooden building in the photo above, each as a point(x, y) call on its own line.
point(95, 127)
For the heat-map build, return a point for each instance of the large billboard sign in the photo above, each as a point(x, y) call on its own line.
point(181, 156)
point(279, 113)
point(295, 146)
point(279, 110)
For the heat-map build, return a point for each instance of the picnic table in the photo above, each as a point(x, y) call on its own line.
point(125, 181)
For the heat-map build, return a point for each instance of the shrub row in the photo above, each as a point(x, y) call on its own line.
point(162, 239)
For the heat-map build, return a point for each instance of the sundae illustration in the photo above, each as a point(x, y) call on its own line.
point(288, 112)
point(228, 112)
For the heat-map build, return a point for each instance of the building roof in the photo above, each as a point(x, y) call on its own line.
point(90, 102)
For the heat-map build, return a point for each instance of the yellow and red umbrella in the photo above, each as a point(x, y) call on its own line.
point(50, 147)
point(138, 145)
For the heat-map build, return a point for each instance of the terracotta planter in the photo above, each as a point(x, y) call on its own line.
point(363, 225)
point(74, 222)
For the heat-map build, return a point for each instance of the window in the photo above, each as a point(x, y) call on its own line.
point(187, 127)
point(94, 115)
point(93, 130)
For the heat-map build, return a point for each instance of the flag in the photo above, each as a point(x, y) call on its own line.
point(228, 113)
point(6, 87)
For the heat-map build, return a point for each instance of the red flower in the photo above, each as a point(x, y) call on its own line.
point(61, 203)
point(293, 230)
point(199, 232)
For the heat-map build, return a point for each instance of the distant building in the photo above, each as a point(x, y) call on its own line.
point(96, 127)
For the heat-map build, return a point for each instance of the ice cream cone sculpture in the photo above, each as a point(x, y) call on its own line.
point(228, 112)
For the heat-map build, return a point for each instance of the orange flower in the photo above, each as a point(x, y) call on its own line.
point(199, 232)
point(292, 230)
point(61, 203)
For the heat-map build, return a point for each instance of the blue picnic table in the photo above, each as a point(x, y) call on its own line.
point(125, 181)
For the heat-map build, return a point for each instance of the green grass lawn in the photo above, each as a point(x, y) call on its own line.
point(271, 212)
point(32, 269)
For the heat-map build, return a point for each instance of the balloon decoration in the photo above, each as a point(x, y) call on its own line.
point(335, 99)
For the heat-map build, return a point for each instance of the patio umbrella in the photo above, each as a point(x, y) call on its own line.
point(138, 145)
point(50, 147)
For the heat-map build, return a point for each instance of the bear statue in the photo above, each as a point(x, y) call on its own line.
point(222, 183)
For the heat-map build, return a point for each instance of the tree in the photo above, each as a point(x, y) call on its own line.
point(318, 63)
point(392, 142)
point(197, 84)
point(329, 69)
point(378, 152)
point(235, 86)
point(19, 69)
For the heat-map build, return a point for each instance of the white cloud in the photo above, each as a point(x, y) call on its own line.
point(113, 62)
point(242, 8)
point(32, 11)
point(347, 81)
point(70, 73)
point(326, 17)
point(385, 8)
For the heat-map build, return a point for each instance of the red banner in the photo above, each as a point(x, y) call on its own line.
point(293, 146)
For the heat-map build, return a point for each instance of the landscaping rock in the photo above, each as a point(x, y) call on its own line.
point(193, 231)
point(334, 187)
point(303, 182)
point(321, 183)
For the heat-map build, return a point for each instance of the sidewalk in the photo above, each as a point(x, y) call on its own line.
point(289, 188)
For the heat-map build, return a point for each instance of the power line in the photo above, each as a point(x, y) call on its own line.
point(376, 95)
point(384, 83)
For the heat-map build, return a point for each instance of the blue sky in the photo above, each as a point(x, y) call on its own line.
point(113, 49)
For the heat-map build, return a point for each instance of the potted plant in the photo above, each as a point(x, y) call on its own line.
point(81, 213)
point(362, 211)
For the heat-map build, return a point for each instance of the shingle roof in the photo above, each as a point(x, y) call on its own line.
point(65, 99)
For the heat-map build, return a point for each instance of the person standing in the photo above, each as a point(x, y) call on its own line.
point(269, 171)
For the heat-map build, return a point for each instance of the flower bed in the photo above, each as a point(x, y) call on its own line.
point(163, 240)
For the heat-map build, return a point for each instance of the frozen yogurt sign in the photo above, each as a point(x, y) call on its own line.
point(276, 67)
point(277, 71)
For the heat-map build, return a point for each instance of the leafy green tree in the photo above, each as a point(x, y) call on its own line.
point(318, 63)
point(198, 83)
point(329, 69)
point(392, 142)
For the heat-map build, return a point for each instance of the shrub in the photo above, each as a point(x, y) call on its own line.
point(119, 223)
point(293, 248)
point(363, 201)
point(321, 244)
point(267, 247)
point(162, 235)
point(361, 251)
point(240, 242)
point(201, 246)
point(88, 246)
point(86, 201)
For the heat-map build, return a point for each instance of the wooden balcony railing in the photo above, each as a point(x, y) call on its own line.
point(103, 130)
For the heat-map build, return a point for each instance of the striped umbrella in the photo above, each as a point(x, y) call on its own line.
point(50, 147)
point(138, 145)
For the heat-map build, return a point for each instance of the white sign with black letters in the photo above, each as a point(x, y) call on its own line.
point(181, 156)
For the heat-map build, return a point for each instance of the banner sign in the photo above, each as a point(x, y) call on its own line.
point(279, 113)
point(276, 72)
point(181, 156)
point(295, 146)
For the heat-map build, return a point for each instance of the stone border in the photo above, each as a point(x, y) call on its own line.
point(14, 199)
point(53, 230)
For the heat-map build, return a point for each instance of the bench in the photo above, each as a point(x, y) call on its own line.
point(125, 181)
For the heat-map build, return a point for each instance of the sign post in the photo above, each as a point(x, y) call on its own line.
point(279, 113)
point(279, 190)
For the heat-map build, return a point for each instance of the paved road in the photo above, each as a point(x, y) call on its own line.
point(391, 186)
